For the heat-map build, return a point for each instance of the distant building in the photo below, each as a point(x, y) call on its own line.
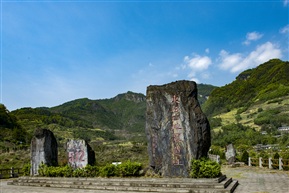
point(260, 147)
point(264, 133)
point(284, 129)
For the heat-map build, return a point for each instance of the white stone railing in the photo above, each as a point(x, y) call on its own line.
point(269, 162)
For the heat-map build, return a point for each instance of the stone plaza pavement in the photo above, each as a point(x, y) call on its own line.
point(258, 180)
point(251, 180)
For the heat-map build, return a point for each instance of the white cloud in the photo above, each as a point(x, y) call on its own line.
point(197, 64)
point(207, 50)
point(229, 60)
point(285, 2)
point(284, 30)
point(195, 79)
point(237, 62)
point(252, 36)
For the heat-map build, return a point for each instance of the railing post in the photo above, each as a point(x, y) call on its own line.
point(270, 163)
point(249, 162)
point(280, 164)
point(12, 172)
point(260, 162)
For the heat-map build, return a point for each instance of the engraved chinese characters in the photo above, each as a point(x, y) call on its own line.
point(177, 133)
point(79, 154)
point(176, 128)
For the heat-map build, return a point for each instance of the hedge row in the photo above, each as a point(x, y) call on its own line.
point(126, 169)
point(203, 168)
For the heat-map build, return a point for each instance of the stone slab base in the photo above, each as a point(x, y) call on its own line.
point(168, 185)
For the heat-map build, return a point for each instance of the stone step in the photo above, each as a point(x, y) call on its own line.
point(140, 179)
point(223, 184)
point(169, 185)
point(232, 186)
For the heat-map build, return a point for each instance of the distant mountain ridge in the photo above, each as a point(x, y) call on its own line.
point(121, 116)
point(123, 111)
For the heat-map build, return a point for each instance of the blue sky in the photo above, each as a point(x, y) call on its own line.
point(56, 51)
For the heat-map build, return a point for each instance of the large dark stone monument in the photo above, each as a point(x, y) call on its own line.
point(79, 153)
point(177, 129)
point(43, 150)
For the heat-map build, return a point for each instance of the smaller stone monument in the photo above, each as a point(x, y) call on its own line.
point(230, 154)
point(43, 150)
point(79, 153)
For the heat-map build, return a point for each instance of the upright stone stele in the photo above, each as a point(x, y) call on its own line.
point(177, 129)
point(230, 154)
point(79, 153)
point(43, 150)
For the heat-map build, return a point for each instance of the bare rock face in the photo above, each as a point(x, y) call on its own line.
point(177, 129)
point(79, 153)
point(43, 150)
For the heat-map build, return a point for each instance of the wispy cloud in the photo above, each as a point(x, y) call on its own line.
point(284, 30)
point(252, 36)
point(197, 63)
point(228, 61)
point(237, 62)
point(285, 3)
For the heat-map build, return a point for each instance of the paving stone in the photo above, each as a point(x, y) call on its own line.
point(259, 180)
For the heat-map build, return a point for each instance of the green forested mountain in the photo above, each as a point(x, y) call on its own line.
point(258, 100)
point(265, 82)
point(123, 112)
point(11, 131)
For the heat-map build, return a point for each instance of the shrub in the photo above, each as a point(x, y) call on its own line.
point(129, 168)
point(108, 170)
point(26, 169)
point(42, 169)
point(92, 171)
point(79, 172)
point(238, 117)
point(245, 157)
point(276, 156)
point(125, 169)
point(52, 171)
point(205, 168)
point(285, 160)
point(275, 160)
point(215, 122)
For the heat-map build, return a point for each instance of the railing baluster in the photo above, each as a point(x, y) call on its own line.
point(280, 164)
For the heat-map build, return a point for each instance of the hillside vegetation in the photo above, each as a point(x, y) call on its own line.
point(266, 82)
point(250, 110)
point(11, 132)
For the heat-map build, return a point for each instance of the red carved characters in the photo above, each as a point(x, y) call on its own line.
point(177, 132)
